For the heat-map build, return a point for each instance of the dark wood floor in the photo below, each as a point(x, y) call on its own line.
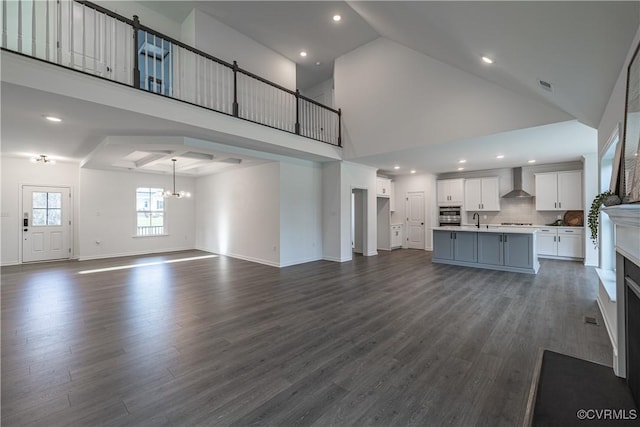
point(386, 340)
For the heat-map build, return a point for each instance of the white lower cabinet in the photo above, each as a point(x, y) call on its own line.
point(396, 236)
point(561, 242)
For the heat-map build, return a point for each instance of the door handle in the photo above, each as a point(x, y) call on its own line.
point(559, 204)
point(555, 204)
point(505, 238)
point(422, 223)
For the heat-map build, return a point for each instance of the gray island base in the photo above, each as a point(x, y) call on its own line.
point(513, 249)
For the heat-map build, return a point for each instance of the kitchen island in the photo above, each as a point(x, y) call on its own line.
point(508, 249)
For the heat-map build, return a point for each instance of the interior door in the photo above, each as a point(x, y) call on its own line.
point(45, 223)
point(415, 220)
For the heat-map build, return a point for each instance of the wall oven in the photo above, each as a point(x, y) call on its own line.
point(450, 215)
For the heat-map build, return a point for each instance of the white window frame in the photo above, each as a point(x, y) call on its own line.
point(150, 231)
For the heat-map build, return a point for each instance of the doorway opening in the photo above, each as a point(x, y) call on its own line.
point(359, 220)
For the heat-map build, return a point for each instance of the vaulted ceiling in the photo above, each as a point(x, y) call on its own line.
point(578, 47)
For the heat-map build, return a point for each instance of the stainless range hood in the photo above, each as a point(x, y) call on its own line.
point(517, 191)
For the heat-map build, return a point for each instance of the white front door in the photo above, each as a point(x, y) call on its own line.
point(415, 220)
point(45, 223)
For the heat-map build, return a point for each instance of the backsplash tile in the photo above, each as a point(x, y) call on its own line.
point(516, 210)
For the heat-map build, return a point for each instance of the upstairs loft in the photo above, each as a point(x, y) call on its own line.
point(92, 40)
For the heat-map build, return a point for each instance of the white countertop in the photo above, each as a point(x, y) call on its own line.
point(490, 229)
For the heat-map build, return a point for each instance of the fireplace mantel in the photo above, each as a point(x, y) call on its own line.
point(627, 221)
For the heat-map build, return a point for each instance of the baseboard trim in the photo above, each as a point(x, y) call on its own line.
point(10, 263)
point(136, 253)
point(252, 259)
point(372, 253)
point(607, 324)
point(334, 259)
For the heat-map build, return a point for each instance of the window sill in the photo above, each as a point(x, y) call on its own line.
point(135, 236)
point(608, 281)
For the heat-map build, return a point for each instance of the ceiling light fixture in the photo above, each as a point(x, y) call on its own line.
point(487, 60)
point(53, 119)
point(462, 161)
point(500, 156)
point(303, 53)
point(460, 169)
point(174, 193)
point(396, 167)
point(44, 159)
point(413, 171)
point(318, 63)
point(337, 18)
point(531, 161)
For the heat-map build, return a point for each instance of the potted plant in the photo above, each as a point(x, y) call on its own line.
point(608, 199)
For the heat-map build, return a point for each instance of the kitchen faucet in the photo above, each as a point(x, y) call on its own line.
point(476, 214)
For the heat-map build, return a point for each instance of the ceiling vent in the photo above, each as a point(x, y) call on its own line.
point(545, 85)
point(232, 161)
point(196, 155)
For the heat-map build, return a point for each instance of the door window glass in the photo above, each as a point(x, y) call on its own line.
point(46, 208)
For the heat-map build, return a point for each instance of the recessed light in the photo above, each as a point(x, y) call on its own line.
point(460, 169)
point(531, 161)
point(462, 161)
point(318, 63)
point(53, 119)
point(396, 167)
point(413, 171)
point(337, 18)
point(487, 60)
point(303, 53)
point(500, 156)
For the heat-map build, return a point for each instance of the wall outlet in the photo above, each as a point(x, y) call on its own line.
point(484, 217)
point(559, 216)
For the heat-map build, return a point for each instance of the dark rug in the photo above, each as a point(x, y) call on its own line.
point(575, 392)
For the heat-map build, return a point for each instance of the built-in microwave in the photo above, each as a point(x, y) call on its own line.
point(450, 215)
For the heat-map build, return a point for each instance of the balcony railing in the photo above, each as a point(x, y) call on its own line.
point(91, 39)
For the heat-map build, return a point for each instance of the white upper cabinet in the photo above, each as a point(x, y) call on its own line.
point(570, 190)
point(482, 194)
point(559, 191)
point(450, 192)
point(383, 187)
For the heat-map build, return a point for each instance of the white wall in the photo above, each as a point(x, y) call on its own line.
point(331, 199)
point(207, 34)
point(16, 172)
point(300, 212)
point(238, 213)
point(148, 17)
point(434, 102)
point(322, 92)
point(107, 214)
point(418, 182)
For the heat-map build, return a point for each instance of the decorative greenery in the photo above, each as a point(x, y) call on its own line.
point(594, 215)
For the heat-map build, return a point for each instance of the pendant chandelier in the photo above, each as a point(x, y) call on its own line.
point(174, 193)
